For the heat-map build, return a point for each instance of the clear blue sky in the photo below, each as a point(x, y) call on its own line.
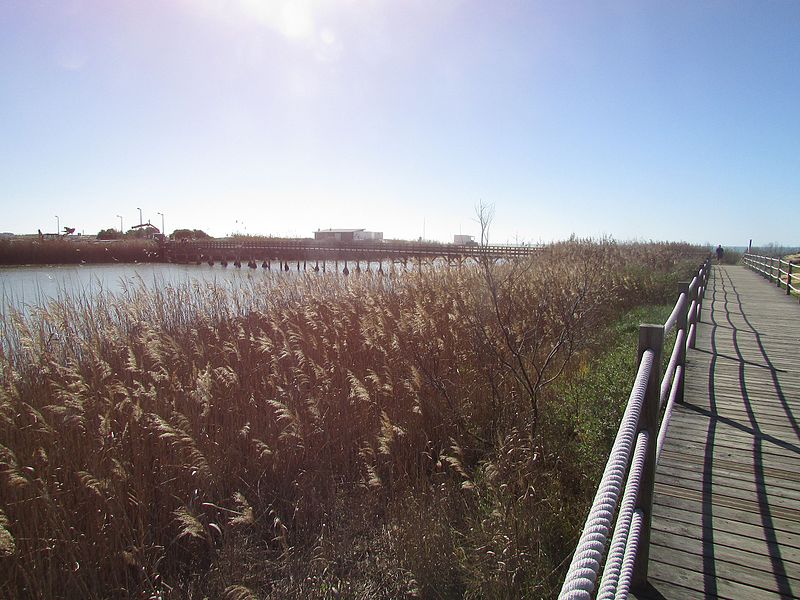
point(673, 120)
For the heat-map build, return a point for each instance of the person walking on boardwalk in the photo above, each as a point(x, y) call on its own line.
point(720, 252)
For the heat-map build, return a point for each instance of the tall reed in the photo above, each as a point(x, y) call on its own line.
point(154, 441)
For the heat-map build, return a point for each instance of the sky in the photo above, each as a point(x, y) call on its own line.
point(640, 120)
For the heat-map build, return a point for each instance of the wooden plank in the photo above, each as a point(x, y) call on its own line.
point(693, 430)
point(692, 519)
point(698, 448)
point(753, 553)
point(786, 513)
point(674, 584)
point(731, 438)
point(735, 512)
point(734, 490)
point(741, 517)
point(725, 479)
point(694, 470)
point(687, 564)
point(749, 540)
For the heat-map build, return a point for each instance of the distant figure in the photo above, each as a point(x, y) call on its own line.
point(720, 252)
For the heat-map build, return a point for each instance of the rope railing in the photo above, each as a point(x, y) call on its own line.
point(673, 396)
point(784, 274)
point(680, 305)
point(631, 551)
point(588, 557)
point(611, 572)
point(678, 352)
point(629, 472)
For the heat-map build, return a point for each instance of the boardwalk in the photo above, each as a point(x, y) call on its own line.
point(316, 250)
point(726, 515)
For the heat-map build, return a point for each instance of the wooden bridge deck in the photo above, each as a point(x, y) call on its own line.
point(726, 514)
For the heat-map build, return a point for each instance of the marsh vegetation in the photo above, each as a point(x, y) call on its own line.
point(32, 251)
point(432, 434)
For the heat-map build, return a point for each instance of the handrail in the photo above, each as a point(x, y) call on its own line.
point(631, 472)
point(320, 248)
point(772, 268)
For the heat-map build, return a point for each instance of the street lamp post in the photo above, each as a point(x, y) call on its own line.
point(120, 225)
point(58, 225)
point(162, 223)
point(140, 215)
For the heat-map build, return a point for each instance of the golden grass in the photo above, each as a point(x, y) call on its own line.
point(152, 443)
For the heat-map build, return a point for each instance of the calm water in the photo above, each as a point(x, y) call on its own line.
point(35, 285)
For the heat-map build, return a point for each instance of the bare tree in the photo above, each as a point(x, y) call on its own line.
point(529, 331)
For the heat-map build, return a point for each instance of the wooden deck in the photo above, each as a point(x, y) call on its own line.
point(726, 514)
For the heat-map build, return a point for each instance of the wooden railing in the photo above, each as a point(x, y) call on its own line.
point(330, 249)
point(781, 272)
point(624, 496)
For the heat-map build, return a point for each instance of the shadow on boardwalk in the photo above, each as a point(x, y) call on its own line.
point(726, 518)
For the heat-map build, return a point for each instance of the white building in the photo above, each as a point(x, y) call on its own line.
point(461, 240)
point(348, 235)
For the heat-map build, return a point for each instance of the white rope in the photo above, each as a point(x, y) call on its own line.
point(693, 285)
point(608, 584)
point(667, 382)
point(582, 574)
point(673, 317)
point(631, 550)
point(662, 432)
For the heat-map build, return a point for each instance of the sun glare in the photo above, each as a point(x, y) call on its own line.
point(292, 18)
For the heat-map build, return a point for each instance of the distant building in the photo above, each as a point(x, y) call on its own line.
point(461, 240)
point(348, 235)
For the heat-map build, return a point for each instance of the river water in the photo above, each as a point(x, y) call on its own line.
point(25, 286)
point(35, 285)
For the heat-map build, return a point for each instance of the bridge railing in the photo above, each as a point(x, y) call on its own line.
point(781, 272)
point(352, 249)
point(614, 547)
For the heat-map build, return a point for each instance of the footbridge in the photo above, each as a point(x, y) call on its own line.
point(315, 251)
point(701, 494)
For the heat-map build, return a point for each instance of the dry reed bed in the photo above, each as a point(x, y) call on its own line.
point(32, 251)
point(146, 439)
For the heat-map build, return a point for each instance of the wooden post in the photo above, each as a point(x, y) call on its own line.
point(701, 286)
point(692, 316)
point(682, 324)
point(651, 337)
point(702, 293)
point(777, 267)
point(789, 279)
